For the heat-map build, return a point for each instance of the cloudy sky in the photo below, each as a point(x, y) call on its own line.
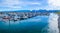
point(29, 4)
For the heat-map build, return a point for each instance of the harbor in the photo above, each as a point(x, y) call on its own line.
point(15, 16)
point(29, 22)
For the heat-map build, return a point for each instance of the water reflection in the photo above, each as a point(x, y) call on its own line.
point(37, 24)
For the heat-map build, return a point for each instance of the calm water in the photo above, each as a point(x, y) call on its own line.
point(32, 25)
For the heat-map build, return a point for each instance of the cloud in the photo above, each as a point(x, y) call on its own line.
point(22, 4)
point(54, 4)
point(29, 4)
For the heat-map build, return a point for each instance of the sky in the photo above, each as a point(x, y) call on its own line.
point(29, 4)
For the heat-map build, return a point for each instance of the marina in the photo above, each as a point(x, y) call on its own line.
point(29, 22)
point(15, 16)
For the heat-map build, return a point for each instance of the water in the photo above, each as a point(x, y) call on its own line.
point(38, 24)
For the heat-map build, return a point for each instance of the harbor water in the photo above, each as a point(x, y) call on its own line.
point(37, 24)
